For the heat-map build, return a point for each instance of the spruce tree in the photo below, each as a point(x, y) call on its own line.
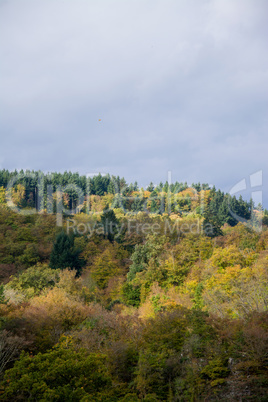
point(64, 254)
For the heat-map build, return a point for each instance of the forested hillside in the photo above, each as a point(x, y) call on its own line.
point(111, 292)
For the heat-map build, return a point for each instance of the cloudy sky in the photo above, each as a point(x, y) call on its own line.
point(136, 88)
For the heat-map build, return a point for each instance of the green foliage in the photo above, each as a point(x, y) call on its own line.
point(229, 256)
point(155, 302)
point(162, 313)
point(30, 256)
point(105, 266)
point(211, 226)
point(109, 223)
point(64, 254)
point(159, 361)
point(198, 301)
point(151, 376)
point(139, 259)
point(60, 374)
point(2, 195)
point(215, 369)
point(2, 296)
point(145, 255)
point(131, 294)
point(33, 280)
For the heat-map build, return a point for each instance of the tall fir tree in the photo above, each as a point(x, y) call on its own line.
point(65, 255)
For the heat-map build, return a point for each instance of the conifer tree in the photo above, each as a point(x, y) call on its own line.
point(64, 254)
point(110, 223)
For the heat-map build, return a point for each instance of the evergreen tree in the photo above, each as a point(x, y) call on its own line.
point(131, 294)
point(154, 202)
point(109, 223)
point(136, 187)
point(212, 224)
point(197, 186)
point(111, 187)
point(150, 187)
point(166, 187)
point(98, 184)
point(138, 204)
point(64, 254)
point(160, 186)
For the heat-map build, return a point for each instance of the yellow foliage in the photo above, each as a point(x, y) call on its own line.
point(17, 194)
point(119, 213)
point(237, 291)
point(190, 286)
point(146, 194)
point(56, 307)
point(105, 266)
point(2, 195)
point(97, 203)
point(228, 256)
point(161, 300)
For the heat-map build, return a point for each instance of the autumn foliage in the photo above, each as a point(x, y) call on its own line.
point(130, 313)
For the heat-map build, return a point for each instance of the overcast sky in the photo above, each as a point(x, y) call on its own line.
point(136, 88)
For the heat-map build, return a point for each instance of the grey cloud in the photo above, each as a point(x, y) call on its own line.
point(178, 85)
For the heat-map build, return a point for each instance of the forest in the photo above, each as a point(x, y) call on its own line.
point(112, 292)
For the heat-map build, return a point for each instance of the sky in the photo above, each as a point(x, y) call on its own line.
point(137, 88)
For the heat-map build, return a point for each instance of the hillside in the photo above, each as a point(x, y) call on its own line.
point(111, 292)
